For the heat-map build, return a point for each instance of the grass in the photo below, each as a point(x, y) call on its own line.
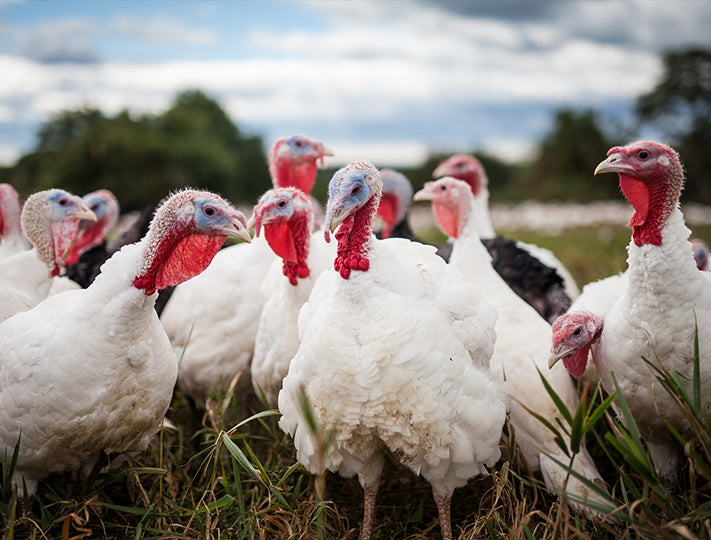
point(231, 473)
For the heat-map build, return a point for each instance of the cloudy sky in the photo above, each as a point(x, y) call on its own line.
point(384, 80)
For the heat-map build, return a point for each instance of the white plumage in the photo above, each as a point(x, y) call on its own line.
point(522, 347)
point(286, 215)
point(666, 296)
point(393, 357)
point(92, 370)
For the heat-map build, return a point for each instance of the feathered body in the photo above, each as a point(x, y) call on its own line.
point(393, 357)
point(92, 370)
point(522, 345)
point(286, 216)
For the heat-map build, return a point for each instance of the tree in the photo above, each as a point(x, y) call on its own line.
point(193, 143)
point(566, 160)
point(680, 107)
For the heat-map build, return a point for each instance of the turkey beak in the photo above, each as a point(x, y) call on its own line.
point(237, 229)
point(558, 352)
point(441, 170)
point(613, 163)
point(324, 152)
point(83, 212)
point(422, 195)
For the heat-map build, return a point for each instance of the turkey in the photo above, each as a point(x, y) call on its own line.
point(665, 299)
point(293, 161)
point(11, 238)
point(393, 209)
point(89, 250)
point(522, 347)
point(286, 216)
point(701, 253)
point(534, 273)
point(91, 370)
point(393, 358)
point(212, 320)
point(50, 219)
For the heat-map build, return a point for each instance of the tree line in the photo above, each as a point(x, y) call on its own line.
point(194, 142)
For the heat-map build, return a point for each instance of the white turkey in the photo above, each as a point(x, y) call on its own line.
point(521, 351)
point(50, 220)
point(394, 355)
point(89, 250)
point(286, 216)
point(11, 238)
point(533, 272)
point(665, 299)
point(212, 320)
point(91, 370)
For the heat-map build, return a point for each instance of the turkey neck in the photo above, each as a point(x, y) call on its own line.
point(667, 267)
point(479, 215)
point(472, 257)
point(353, 236)
point(290, 241)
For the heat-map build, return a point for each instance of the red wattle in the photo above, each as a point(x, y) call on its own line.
point(637, 193)
point(447, 219)
point(281, 240)
point(176, 262)
point(63, 236)
point(353, 235)
point(387, 210)
point(577, 362)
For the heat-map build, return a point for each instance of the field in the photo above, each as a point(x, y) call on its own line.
point(231, 473)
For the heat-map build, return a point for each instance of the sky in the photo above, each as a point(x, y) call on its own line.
point(385, 81)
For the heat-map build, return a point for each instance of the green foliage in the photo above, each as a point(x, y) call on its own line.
point(680, 107)
point(142, 159)
point(566, 160)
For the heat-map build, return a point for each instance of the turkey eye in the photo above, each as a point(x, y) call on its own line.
point(643, 154)
point(577, 331)
point(63, 202)
point(355, 190)
point(443, 188)
point(298, 144)
point(209, 211)
point(281, 204)
point(94, 207)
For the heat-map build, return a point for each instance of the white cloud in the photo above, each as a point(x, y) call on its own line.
point(401, 67)
point(381, 153)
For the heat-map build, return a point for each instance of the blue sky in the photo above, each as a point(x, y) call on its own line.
point(386, 81)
